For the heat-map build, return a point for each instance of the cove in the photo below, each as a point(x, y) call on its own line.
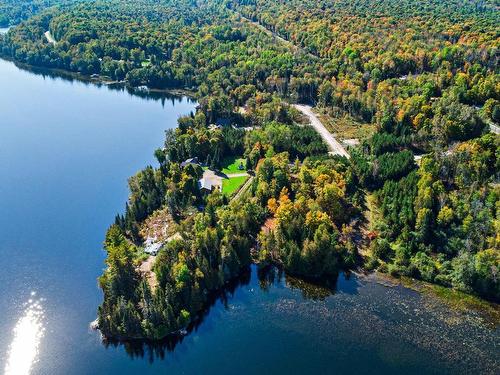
point(66, 151)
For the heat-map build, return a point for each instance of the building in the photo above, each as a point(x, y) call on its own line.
point(152, 247)
point(186, 162)
point(210, 181)
point(214, 127)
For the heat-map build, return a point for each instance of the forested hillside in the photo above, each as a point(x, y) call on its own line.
point(424, 74)
point(12, 12)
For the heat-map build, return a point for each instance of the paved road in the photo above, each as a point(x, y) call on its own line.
point(335, 147)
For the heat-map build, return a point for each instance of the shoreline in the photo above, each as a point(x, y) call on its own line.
point(488, 311)
point(213, 296)
point(99, 80)
point(453, 299)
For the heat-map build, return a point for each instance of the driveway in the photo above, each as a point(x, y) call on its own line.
point(335, 147)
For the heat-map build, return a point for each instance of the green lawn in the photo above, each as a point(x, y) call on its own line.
point(231, 185)
point(231, 165)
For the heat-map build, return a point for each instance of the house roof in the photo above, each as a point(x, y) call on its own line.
point(151, 246)
point(189, 161)
point(210, 180)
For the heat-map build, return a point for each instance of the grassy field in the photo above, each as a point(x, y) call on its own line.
point(231, 185)
point(231, 165)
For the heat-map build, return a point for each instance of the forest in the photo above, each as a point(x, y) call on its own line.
point(424, 74)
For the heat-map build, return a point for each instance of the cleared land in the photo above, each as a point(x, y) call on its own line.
point(231, 165)
point(146, 268)
point(231, 185)
point(344, 126)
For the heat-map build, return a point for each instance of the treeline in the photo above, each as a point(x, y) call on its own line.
point(13, 12)
point(428, 71)
point(415, 66)
point(169, 44)
point(440, 223)
point(309, 229)
point(215, 248)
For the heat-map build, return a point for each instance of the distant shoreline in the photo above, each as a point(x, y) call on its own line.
point(98, 79)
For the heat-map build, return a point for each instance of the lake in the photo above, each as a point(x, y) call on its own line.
point(66, 151)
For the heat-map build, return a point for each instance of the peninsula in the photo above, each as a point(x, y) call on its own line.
point(247, 179)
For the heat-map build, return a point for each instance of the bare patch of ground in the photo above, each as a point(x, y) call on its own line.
point(160, 226)
point(343, 126)
point(146, 268)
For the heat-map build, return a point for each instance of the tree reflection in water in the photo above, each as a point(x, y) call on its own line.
point(267, 278)
point(155, 95)
point(157, 349)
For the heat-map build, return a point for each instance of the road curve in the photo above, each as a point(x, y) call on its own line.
point(335, 147)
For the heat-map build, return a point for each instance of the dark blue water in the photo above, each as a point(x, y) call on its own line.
point(66, 151)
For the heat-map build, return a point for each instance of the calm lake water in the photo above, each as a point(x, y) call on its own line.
point(66, 151)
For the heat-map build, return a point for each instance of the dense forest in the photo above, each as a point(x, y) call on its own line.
point(424, 74)
point(12, 12)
